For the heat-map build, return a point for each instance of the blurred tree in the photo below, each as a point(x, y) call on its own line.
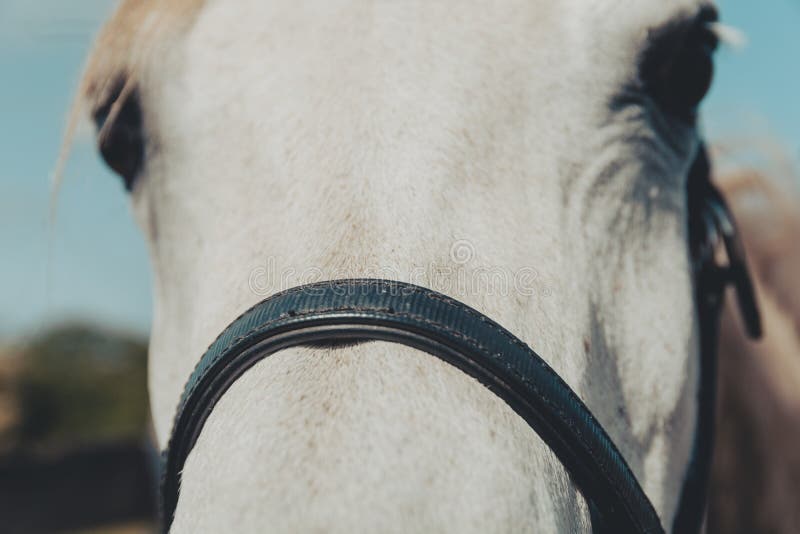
point(77, 384)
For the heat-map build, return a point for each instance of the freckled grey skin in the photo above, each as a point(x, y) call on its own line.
point(291, 141)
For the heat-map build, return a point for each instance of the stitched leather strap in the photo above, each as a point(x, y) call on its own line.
point(368, 309)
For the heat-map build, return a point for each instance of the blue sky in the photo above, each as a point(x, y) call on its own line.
point(95, 267)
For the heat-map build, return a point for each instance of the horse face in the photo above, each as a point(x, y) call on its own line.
point(267, 144)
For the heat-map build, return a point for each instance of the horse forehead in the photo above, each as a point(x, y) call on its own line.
point(283, 17)
point(139, 26)
point(541, 38)
point(325, 75)
point(338, 10)
point(132, 18)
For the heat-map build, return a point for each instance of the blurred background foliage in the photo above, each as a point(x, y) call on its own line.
point(75, 433)
point(71, 385)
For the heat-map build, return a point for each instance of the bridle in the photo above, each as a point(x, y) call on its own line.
point(386, 310)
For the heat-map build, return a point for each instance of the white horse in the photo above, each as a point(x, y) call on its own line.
point(268, 143)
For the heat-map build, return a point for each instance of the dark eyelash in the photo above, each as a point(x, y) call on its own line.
point(102, 108)
point(707, 16)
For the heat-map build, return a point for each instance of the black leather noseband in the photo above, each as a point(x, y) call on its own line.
point(368, 309)
point(445, 328)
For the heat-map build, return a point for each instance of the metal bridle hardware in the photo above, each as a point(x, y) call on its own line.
point(386, 310)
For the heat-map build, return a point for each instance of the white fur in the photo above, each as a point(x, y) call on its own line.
point(351, 136)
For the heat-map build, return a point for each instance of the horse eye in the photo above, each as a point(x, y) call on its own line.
point(120, 138)
point(678, 68)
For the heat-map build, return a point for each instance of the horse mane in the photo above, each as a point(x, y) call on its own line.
point(136, 29)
